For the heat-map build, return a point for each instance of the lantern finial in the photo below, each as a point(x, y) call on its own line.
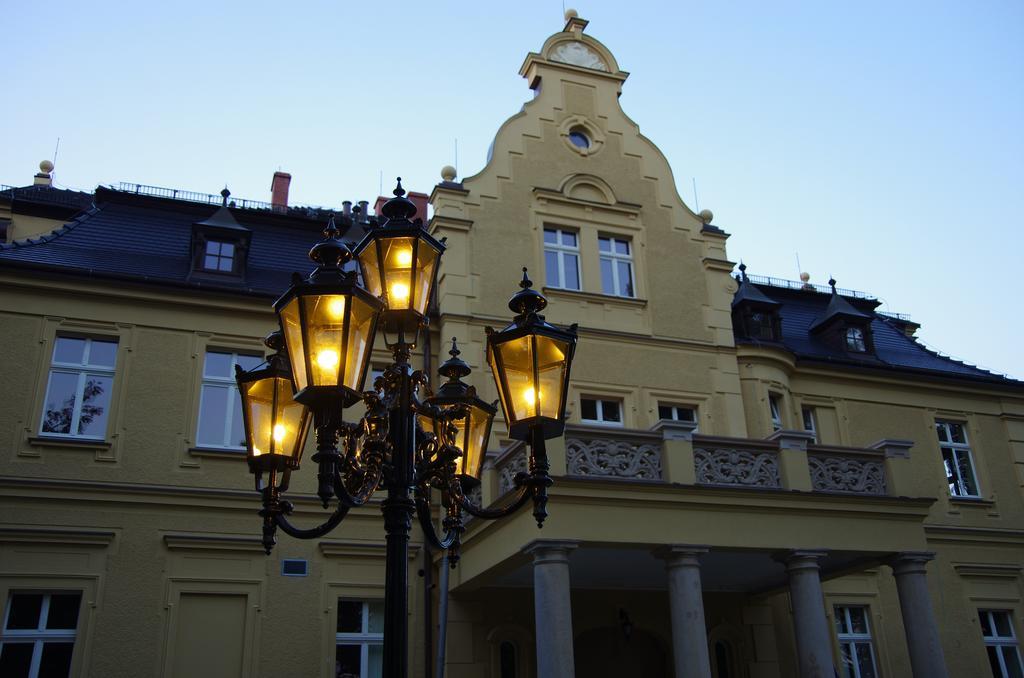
point(527, 300)
point(454, 368)
point(330, 253)
point(399, 208)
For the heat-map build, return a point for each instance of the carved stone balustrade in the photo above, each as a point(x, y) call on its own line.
point(836, 469)
point(736, 461)
point(513, 460)
point(613, 453)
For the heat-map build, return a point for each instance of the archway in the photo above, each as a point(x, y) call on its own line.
point(607, 652)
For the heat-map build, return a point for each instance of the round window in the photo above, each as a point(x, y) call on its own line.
point(579, 138)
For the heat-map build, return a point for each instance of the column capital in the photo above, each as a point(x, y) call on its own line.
point(680, 555)
point(550, 550)
point(801, 559)
point(910, 562)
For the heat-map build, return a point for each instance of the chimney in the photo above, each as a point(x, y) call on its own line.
point(279, 191)
point(44, 178)
point(364, 212)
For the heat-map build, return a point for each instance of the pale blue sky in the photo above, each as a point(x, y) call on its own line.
point(883, 142)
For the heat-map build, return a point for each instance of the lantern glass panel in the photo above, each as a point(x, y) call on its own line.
point(551, 365)
point(426, 262)
point(359, 343)
point(277, 423)
point(370, 267)
point(325, 333)
point(399, 259)
point(519, 392)
point(292, 327)
point(473, 440)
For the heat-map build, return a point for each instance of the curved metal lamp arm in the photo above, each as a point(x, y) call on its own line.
point(523, 494)
point(451, 535)
point(281, 520)
point(373, 452)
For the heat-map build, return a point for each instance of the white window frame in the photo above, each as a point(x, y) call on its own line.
point(999, 642)
point(810, 421)
point(600, 421)
point(958, 450)
point(561, 251)
point(614, 258)
point(676, 408)
point(83, 370)
point(364, 639)
point(775, 411)
point(40, 635)
point(850, 640)
point(234, 401)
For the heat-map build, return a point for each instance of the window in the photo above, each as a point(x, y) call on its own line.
point(78, 391)
point(616, 267)
point(855, 340)
point(220, 406)
point(810, 422)
point(762, 325)
point(677, 412)
point(219, 256)
point(1000, 643)
point(579, 138)
point(856, 654)
point(604, 412)
point(507, 659)
point(39, 634)
point(359, 648)
point(562, 258)
point(956, 458)
point(776, 411)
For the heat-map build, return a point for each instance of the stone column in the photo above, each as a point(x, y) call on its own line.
point(552, 608)
point(813, 637)
point(926, 659)
point(686, 603)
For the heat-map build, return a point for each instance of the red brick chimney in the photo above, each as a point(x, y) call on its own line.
point(419, 199)
point(279, 191)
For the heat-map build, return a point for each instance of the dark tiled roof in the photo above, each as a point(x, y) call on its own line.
point(749, 292)
point(150, 240)
point(893, 348)
point(47, 195)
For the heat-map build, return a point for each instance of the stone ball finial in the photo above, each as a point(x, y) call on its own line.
point(46, 167)
point(448, 173)
point(805, 277)
point(571, 14)
point(706, 216)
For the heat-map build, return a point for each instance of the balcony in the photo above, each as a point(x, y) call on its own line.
point(673, 453)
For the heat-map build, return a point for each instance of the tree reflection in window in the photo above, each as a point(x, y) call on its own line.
point(59, 420)
point(77, 399)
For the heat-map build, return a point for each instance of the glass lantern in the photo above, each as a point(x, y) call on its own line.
point(275, 424)
point(530, 360)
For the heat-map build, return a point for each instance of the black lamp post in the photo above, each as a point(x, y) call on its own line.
point(406, 446)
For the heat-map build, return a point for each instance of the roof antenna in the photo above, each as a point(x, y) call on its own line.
point(799, 269)
point(456, 154)
point(55, 150)
point(696, 203)
point(380, 186)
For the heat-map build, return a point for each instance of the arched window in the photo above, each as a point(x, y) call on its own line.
point(507, 660)
point(723, 660)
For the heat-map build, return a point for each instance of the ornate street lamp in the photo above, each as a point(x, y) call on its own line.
point(406, 446)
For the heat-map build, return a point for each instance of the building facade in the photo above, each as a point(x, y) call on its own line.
point(759, 478)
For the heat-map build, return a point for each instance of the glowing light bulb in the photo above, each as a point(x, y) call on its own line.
point(530, 397)
point(256, 451)
point(336, 307)
point(399, 294)
point(279, 432)
point(327, 359)
point(403, 258)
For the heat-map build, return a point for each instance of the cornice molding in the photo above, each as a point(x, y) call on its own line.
point(69, 536)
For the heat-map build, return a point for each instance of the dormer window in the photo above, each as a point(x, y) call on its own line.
point(855, 340)
point(219, 256)
point(219, 246)
point(755, 316)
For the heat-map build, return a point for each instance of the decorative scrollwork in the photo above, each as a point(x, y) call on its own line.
point(476, 496)
point(615, 458)
point(725, 466)
point(845, 474)
point(507, 472)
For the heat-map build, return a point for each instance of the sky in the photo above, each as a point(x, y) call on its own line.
point(880, 143)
